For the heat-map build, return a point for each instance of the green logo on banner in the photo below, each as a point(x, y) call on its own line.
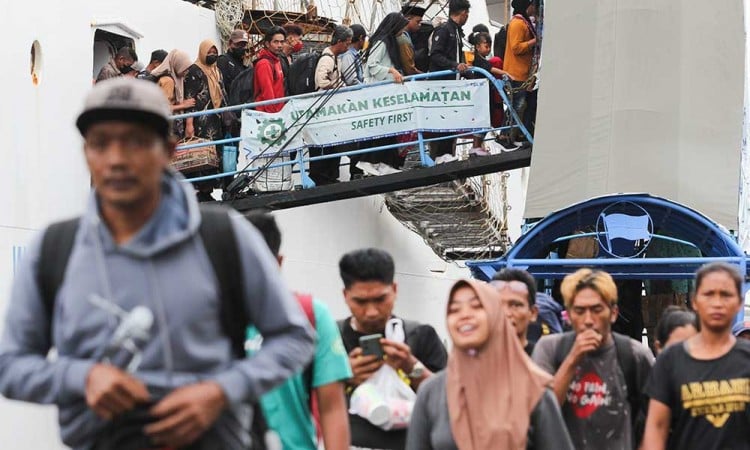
point(270, 130)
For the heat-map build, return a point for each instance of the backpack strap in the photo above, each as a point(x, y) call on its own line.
point(563, 348)
point(306, 302)
point(218, 237)
point(57, 245)
point(626, 360)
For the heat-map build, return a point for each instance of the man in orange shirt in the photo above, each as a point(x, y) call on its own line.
point(519, 52)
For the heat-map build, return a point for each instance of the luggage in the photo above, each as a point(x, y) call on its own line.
point(195, 159)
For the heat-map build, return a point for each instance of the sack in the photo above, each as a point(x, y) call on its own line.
point(302, 73)
point(384, 400)
point(272, 179)
point(195, 159)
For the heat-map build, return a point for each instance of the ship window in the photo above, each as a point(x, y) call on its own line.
point(36, 63)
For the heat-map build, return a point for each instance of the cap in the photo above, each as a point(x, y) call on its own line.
point(129, 100)
point(410, 9)
point(238, 36)
point(740, 328)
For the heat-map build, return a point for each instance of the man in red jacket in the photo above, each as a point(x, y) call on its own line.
point(268, 83)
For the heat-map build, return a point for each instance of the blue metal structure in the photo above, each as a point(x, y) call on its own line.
point(536, 250)
point(302, 159)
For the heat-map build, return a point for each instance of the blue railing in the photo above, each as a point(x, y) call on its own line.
point(301, 159)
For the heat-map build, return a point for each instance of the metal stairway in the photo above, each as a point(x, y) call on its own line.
point(455, 218)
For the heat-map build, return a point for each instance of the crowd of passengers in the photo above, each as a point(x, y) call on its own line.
point(398, 47)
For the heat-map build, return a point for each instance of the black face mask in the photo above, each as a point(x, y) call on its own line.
point(211, 59)
point(126, 69)
point(238, 53)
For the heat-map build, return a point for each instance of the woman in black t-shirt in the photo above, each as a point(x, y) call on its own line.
point(700, 389)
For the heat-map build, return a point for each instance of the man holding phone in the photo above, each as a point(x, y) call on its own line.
point(370, 293)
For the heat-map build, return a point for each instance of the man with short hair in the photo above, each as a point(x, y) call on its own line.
point(120, 64)
point(147, 325)
point(351, 60)
point(370, 293)
point(157, 57)
point(414, 15)
point(269, 77)
point(328, 76)
point(599, 375)
point(232, 62)
point(518, 295)
point(446, 53)
point(287, 408)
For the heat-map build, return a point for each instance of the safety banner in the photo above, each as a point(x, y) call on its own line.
point(364, 114)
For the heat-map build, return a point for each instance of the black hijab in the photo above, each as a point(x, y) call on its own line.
point(387, 31)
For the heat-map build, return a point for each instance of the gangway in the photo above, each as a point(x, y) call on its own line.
point(451, 235)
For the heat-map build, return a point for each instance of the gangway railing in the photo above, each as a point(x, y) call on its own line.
point(303, 158)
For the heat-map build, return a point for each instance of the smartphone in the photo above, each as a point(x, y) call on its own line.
point(371, 345)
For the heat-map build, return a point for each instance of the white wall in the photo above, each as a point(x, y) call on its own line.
point(315, 237)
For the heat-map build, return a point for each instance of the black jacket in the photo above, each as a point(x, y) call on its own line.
point(229, 68)
point(446, 51)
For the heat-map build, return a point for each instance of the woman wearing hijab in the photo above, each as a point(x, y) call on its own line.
point(383, 63)
point(491, 396)
point(203, 83)
point(170, 75)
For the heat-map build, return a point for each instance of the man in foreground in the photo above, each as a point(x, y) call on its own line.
point(148, 328)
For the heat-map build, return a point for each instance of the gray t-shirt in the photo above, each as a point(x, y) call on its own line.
point(596, 408)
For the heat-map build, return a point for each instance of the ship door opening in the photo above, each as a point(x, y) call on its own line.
point(106, 44)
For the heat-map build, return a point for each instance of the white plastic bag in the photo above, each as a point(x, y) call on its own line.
point(384, 400)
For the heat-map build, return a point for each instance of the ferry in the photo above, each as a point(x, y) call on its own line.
point(633, 98)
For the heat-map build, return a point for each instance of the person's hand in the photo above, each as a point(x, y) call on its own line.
point(363, 366)
point(111, 391)
point(186, 413)
point(585, 342)
point(398, 355)
point(189, 130)
point(188, 103)
point(397, 77)
point(462, 67)
point(532, 42)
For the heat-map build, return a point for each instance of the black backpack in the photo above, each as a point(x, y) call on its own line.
point(241, 89)
point(501, 40)
point(220, 243)
point(302, 73)
point(626, 360)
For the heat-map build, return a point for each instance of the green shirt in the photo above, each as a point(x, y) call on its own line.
point(287, 407)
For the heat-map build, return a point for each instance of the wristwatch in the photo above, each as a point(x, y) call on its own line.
point(417, 371)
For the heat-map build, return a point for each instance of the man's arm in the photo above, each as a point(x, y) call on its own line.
point(263, 82)
point(439, 49)
point(334, 418)
point(516, 32)
point(348, 71)
point(25, 372)
point(323, 70)
point(657, 426)
point(406, 51)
